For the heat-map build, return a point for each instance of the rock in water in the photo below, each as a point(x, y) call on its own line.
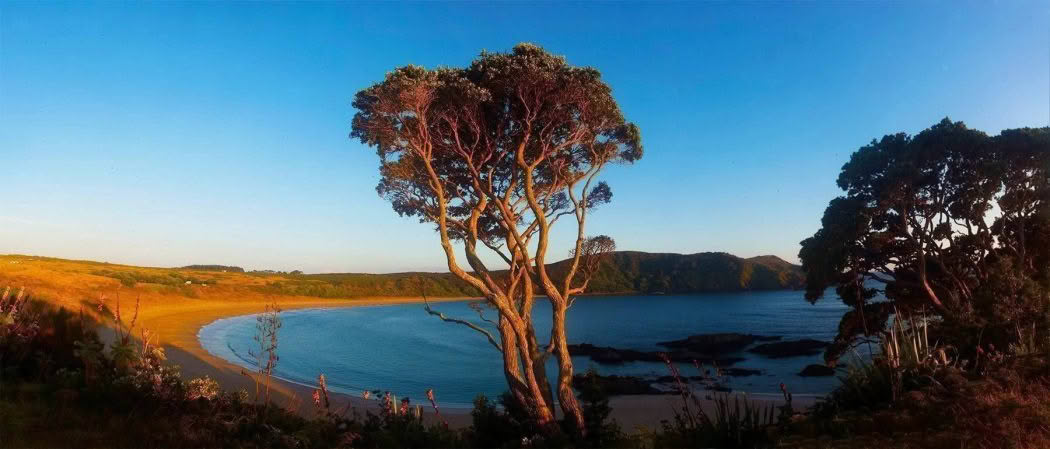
point(618, 385)
point(817, 371)
point(614, 356)
point(716, 343)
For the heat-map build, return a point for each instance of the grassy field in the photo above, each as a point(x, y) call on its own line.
point(173, 303)
point(76, 283)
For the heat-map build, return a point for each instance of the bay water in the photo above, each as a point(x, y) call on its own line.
point(404, 350)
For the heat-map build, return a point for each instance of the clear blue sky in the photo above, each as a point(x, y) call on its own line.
point(176, 133)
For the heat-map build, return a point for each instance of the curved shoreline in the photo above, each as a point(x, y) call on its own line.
point(178, 326)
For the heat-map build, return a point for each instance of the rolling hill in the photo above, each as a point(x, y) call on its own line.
point(640, 272)
point(625, 272)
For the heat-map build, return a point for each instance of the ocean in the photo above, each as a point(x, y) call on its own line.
point(402, 349)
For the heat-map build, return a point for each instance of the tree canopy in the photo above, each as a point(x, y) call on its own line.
point(951, 221)
point(496, 153)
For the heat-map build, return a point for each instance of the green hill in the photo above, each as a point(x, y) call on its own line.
point(640, 272)
point(624, 272)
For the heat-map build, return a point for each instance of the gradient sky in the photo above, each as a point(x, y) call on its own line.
point(167, 134)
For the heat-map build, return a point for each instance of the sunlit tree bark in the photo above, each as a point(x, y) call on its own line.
point(494, 155)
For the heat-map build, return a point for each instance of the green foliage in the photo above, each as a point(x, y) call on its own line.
point(600, 431)
point(949, 220)
point(492, 427)
point(220, 268)
point(865, 386)
point(736, 424)
point(352, 285)
point(633, 271)
point(511, 426)
point(620, 272)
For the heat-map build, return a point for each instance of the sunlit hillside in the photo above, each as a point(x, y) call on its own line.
point(77, 282)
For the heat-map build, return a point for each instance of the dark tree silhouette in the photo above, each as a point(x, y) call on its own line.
point(949, 221)
point(494, 155)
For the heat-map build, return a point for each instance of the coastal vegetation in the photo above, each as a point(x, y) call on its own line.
point(620, 272)
point(222, 268)
point(61, 385)
point(950, 225)
point(941, 247)
point(641, 272)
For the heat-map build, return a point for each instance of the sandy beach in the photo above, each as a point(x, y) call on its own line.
point(176, 328)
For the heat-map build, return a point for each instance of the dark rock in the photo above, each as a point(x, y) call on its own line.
point(731, 372)
point(741, 372)
point(688, 357)
point(793, 348)
point(618, 385)
point(614, 356)
point(719, 388)
point(817, 371)
point(610, 355)
point(717, 343)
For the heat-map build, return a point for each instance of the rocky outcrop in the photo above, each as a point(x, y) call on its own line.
point(613, 356)
point(817, 371)
point(635, 385)
point(722, 343)
point(618, 385)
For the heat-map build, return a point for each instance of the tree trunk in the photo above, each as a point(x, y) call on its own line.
point(539, 365)
point(523, 391)
point(566, 396)
point(544, 411)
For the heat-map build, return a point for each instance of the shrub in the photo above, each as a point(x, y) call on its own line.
point(491, 427)
point(600, 431)
point(202, 388)
point(736, 423)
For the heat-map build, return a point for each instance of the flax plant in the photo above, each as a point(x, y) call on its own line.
point(736, 422)
point(266, 327)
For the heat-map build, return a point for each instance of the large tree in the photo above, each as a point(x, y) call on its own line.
point(494, 155)
point(948, 221)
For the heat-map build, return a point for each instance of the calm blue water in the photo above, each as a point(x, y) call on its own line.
point(402, 349)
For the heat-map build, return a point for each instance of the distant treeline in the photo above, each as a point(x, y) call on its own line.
point(169, 278)
point(640, 272)
point(349, 285)
point(214, 268)
point(624, 272)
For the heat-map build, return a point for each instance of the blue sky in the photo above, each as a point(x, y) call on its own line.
point(174, 133)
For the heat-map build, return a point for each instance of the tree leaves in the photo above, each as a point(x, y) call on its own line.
point(932, 217)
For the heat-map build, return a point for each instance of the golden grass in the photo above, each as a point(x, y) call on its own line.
point(170, 313)
point(76, 283)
